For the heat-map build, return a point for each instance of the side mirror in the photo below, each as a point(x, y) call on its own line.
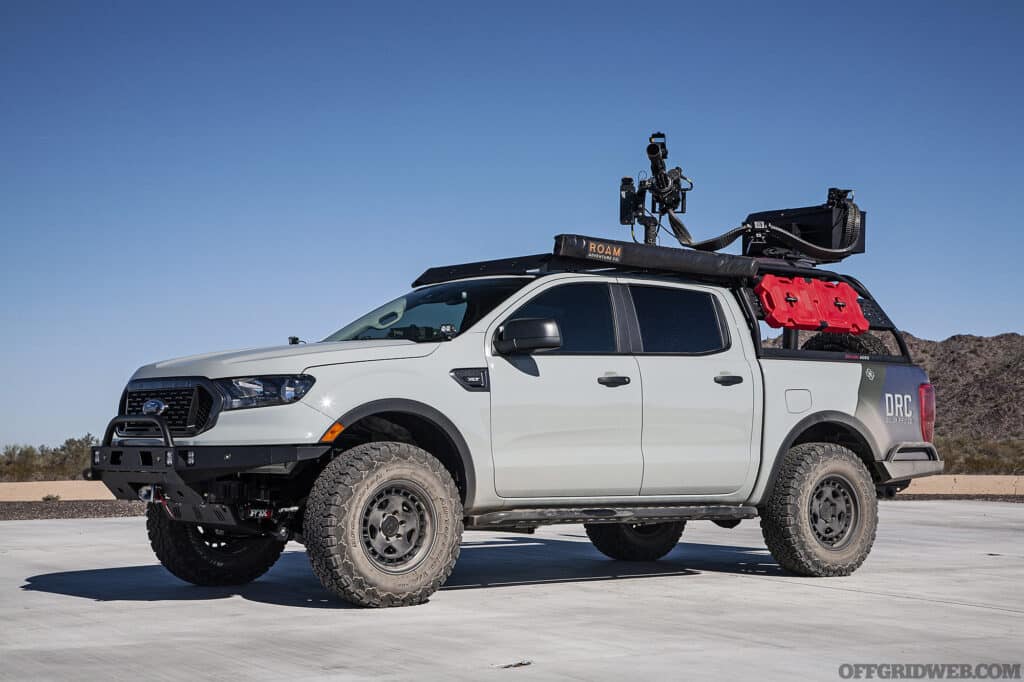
point(527, 334)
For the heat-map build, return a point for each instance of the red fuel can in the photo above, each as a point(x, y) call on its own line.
point(810, 304)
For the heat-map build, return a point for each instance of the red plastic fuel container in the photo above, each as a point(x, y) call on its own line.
point(810, 304)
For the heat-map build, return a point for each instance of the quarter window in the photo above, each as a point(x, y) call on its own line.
point(583, 313)
point(677, 320)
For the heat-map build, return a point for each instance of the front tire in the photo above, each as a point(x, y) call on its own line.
point(822, 513)
point(635, 542)
point(202, 556)
point(383, 525)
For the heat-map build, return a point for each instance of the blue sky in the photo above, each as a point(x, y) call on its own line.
point(184, 177)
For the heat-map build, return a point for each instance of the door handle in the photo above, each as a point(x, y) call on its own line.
point(613, 381)
point(728, 379)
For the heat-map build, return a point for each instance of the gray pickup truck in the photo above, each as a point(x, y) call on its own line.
point(621, 386)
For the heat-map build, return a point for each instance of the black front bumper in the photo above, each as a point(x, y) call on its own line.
point(177, 474)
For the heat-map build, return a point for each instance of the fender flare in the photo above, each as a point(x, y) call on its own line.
point(430, 414)
point(826, 416)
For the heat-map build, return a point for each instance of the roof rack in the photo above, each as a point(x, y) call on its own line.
point(522, 265)
point(578, 253)
point(575, 253)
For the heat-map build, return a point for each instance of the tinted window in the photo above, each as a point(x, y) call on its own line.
point(436, 313)
point(677, 320)
point(583, 313)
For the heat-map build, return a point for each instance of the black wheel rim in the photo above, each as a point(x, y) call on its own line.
point(398, 526)
point(833, 511)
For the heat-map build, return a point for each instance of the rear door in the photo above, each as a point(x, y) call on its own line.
point(566, 422)
point(698, 392)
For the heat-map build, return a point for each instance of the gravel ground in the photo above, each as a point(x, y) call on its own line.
point(69, 509)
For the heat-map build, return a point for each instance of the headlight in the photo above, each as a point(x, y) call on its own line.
point(245, 392)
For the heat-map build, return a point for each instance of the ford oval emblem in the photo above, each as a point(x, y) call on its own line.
point(154, 406)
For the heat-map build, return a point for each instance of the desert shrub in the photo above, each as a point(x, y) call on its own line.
point(18, 463)
point(974, 456)
point(45, 463)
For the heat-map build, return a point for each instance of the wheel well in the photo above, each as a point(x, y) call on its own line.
point(415, 429)
point(840, 434)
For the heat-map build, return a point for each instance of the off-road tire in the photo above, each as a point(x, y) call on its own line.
point(338, 535)
point(786, 516)
point(860, 344)
point(852, 225)
point(198, 556)
point(635, 542)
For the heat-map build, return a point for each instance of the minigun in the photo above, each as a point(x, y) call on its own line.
point(826, 233)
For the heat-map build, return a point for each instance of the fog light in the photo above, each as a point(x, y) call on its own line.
point(146, 493)
point(96, 456)
point(190, 458)
point(169, 458)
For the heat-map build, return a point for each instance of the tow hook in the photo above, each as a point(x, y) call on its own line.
point(149, 493)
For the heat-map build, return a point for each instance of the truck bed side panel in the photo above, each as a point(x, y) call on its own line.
point(879, 399)
point(795, 390)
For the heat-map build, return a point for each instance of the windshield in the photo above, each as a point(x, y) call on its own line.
point(436, 313)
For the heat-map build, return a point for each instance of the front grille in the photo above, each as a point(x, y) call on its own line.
point(190, 406)
point(204, 407)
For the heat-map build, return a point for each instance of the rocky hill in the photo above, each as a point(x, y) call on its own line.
point(979, 384)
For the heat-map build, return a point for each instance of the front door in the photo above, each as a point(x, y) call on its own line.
point(566, 422)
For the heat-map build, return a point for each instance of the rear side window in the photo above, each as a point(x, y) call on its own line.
point(677, 320)
point(583, 313)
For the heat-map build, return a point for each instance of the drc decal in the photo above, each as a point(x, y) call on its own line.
point(887, 401)
point(899, 408)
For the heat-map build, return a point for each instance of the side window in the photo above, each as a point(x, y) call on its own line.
point(677, 320)
point(583, 313)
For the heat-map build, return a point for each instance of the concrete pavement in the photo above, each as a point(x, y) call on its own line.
point(86, 600)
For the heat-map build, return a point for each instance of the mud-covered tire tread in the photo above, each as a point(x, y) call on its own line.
point(614, 541)
point(330, 501)
point(782, 513)
point(176, 547)
point(861, 344)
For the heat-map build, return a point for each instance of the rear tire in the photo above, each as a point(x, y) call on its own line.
point(635, 542)
point(860, 344)
point(201, 556)
point(383, 525)
point(821, 516)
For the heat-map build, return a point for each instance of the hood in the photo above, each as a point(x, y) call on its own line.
point(283, 359)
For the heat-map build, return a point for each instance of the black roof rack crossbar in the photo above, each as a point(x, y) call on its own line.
point(522, 265)
point(575, 253)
